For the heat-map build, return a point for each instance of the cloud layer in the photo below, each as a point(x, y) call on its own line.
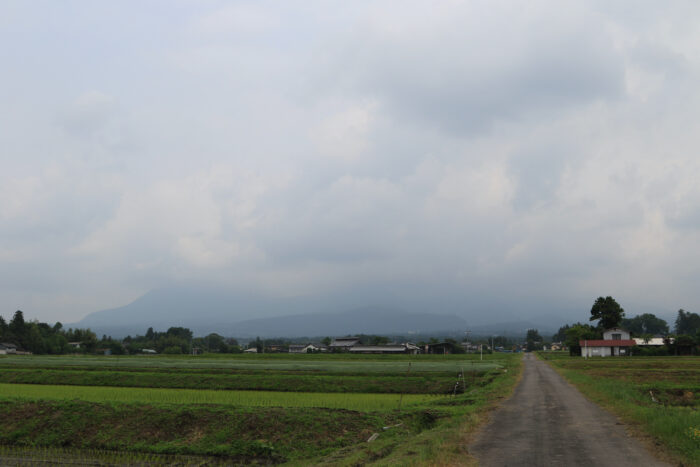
point(488, 158)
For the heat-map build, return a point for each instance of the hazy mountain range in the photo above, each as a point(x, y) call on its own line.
point(206, 310)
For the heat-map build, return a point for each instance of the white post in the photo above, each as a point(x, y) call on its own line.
point(481, 348)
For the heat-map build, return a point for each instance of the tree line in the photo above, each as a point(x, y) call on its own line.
point(42, 338)
point(685, 338)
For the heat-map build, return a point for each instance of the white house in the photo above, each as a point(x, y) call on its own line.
point(615, 342)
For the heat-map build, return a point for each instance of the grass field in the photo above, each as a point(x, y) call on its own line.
point(245, 409)
point(658, 396)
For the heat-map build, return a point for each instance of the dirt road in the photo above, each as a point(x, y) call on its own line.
point(548, 422)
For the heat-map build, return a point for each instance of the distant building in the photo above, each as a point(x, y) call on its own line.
point(652, 342)
point(443, 348)
point(251, 350)
point(615, 342)
point(304, 348)
point(148, 351)
point(7, 348)
point(406, 348)
point(343, 343)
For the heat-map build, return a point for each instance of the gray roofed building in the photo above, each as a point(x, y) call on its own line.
point(344, 343)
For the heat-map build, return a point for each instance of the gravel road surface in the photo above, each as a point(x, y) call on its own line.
point(549, 422)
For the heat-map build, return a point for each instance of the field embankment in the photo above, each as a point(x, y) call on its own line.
point(658, 397)
point(283, 410)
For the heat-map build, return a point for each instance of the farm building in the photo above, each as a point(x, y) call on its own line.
point(615, 342)
point(304, 348)
point(558, 346)
point(6, 348)
point(651, 342)
point(440, 348)
point(406, 348)
point(343, 343)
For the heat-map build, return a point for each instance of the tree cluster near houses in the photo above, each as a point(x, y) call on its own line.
point(651, 334)
point(42, 338)
point(179, 340)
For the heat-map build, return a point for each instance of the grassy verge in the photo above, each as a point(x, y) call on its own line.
point(618, 384)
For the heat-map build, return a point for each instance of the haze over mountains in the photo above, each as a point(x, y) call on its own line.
point(241, 314)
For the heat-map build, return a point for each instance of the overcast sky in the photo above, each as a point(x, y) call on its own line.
point(520, 156)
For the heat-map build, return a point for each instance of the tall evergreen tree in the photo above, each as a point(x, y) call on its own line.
point(607, 312)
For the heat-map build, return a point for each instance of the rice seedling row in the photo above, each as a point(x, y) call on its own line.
point(424, 383)
point(349, 401)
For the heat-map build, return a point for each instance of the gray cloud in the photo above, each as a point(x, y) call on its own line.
point(462, 157)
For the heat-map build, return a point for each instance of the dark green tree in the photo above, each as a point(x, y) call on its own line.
point(687, 323)
point(18, 329)
point(607, 312)
point(533, 339)
point(560, 336)
point(646, 323)
point(579, 332)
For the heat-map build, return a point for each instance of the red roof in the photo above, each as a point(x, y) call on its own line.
point(607, 343)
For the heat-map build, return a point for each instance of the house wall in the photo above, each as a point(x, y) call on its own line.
point(607, 335)
point(595, 351)
point(606, 351)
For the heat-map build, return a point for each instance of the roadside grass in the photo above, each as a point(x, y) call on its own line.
point(644, 403)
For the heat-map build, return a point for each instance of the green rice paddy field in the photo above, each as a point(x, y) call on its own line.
point(248, 409)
